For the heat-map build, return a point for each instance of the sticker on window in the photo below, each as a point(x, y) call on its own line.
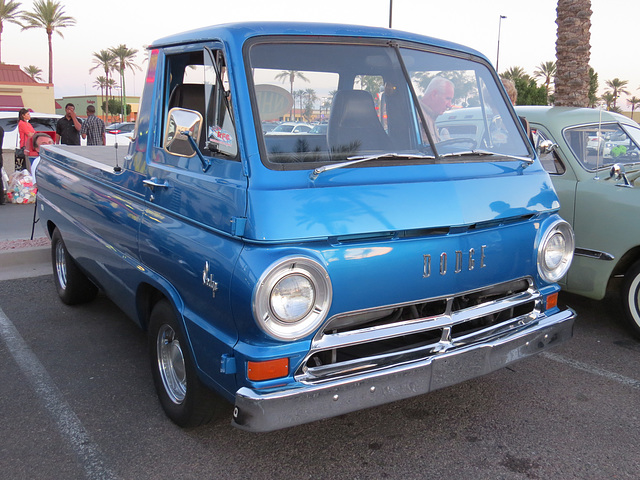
point(219, 136)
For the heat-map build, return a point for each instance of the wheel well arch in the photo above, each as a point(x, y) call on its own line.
point(147, 296)
point(625, 262)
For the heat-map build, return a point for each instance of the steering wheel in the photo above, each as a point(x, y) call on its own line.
point(453, 141)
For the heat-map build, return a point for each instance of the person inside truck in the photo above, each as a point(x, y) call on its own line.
point(39, 139)
point(436, 100)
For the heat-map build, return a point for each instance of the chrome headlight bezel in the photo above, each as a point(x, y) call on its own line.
point(271, 318)
point(553, 269)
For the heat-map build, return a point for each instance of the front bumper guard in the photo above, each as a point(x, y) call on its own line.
point(264, 411)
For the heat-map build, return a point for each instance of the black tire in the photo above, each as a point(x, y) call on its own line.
point(72, 284)
point(184, 399)
point(631, 297)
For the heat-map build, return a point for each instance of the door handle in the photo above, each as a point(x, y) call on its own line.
point(153, 182)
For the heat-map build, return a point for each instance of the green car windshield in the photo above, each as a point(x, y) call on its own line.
point(597, 146)
point(374, 100)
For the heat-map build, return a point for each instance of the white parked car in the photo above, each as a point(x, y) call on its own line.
point(42, 122)
point(290, 128)
point(120, 133)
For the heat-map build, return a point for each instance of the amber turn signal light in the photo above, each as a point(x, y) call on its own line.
point(268, 370)
point(552, 301)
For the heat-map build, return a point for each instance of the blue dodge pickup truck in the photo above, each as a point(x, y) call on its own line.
point(306, 275)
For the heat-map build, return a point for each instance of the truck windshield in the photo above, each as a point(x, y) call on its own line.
point(394, 104)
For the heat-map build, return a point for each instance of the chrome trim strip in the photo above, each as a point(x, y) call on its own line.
point(281, 407)
point(329, 341)
point(596, 254)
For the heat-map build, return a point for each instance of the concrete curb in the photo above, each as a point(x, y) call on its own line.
point(25, 262)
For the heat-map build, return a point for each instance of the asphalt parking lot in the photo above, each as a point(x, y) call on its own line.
point(78, 402)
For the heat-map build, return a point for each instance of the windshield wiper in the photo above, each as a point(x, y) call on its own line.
point(528, 160)
point(365, 158)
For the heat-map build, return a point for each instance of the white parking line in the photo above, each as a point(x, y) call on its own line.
point(69, 425)
point(629, 382)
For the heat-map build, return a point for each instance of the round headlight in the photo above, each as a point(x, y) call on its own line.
point(292, 298)
point(555, 251)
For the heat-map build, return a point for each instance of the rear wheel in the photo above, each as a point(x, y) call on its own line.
point(185, 400)
point(72, 284)
point(631, 297)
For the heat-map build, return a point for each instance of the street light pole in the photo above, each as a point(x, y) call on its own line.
point(390, 12)
point(498, 53)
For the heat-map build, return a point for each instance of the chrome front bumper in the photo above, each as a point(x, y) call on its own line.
point(260, 411)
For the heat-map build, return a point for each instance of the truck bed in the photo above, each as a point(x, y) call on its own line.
point(103, 157)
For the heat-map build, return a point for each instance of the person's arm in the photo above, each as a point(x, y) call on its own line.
point(76, 122)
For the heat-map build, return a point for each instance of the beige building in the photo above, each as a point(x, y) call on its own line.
point(18, 90)
point(81, 102)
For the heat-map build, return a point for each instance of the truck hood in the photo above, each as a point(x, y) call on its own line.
point(330, 209)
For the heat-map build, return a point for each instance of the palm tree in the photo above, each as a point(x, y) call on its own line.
point(34, 72)
point(546, 70)
point(634, 102)
point(106, 60)
point(110, 85)
point(101, 83)
point(514, 73)
point(312, 98)
point(607, 97)
point(572, 53)
point(617, 86)
point(49, 15)
point(124, 60)
point(291, 75)
point(8, 13)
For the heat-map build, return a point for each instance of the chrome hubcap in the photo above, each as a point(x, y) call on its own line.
point(171, 364)
point(61, 265)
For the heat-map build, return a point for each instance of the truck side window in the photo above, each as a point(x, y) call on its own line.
point(198, 81)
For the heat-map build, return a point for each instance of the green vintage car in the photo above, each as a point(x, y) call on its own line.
point(594, 169)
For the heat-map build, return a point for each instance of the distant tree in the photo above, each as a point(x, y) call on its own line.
point(124, 61)
point(34, 72)
point(607, 98)
point(514, 73)
point(529, 93)
point(593, 88)
point(572, 53)
point(101, 83)
point(634, 102)
point(311, 98)
point(9, 12)
point(370, 83)
point(115, 107)
point(106, 60)
point(291, 75)
point(48, 15)
point(546, 70)
point(617, 87)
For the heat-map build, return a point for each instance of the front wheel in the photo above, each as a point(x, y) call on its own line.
point(72, 284)
point(631, 297)
point(184, 399)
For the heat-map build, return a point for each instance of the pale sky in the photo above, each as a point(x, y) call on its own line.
point(527, 38)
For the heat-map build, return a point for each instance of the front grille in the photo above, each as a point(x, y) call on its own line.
point(353, 343)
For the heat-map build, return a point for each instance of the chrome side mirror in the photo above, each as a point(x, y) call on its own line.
point(180, 122)
point(617, 172)
point(546, 146)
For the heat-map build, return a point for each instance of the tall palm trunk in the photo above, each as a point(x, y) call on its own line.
point(573, 53)
point(50, 57)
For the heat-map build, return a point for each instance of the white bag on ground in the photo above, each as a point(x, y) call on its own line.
point(21, 188)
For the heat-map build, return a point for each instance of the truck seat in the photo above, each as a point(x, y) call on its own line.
point(354, 125)
point(191, 97)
